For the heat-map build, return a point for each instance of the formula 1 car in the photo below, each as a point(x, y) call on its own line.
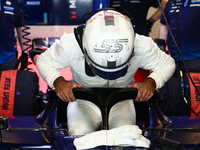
point(48, 131)
point(42, 131)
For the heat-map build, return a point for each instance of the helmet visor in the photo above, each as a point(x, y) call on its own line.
point(110, 75)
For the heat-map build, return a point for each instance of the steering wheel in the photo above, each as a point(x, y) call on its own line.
point(104, 98)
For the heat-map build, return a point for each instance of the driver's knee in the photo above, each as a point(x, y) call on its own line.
point(120, 121)
point(81, 129)
point(123, 113)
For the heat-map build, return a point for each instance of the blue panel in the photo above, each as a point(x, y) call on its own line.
point(99, 4)
point(70, 12)
point(34, 9)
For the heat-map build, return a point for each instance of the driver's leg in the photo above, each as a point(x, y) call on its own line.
point(83, 117)
point(122, 113)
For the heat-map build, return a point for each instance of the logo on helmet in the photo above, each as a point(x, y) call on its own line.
point(111, 46)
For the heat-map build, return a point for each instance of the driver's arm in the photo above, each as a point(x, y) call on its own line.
point(145, 88)
point(63, 89)
point(161, 65)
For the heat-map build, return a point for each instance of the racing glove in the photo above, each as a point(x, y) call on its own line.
point(127, 135)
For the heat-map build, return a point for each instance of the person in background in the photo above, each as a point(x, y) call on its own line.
point(105, 52)
point(11, 18)
point(139, 10)
point(183, 17)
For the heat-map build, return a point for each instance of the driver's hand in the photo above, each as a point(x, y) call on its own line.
point(145, 88)
point(64, 88)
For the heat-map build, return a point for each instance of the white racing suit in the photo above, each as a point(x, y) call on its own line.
point(83, 116)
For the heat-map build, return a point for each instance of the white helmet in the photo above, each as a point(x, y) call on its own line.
point(108, 44)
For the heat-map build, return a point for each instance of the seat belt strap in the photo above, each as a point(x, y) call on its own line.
point(195, 97)
point(7, 92)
